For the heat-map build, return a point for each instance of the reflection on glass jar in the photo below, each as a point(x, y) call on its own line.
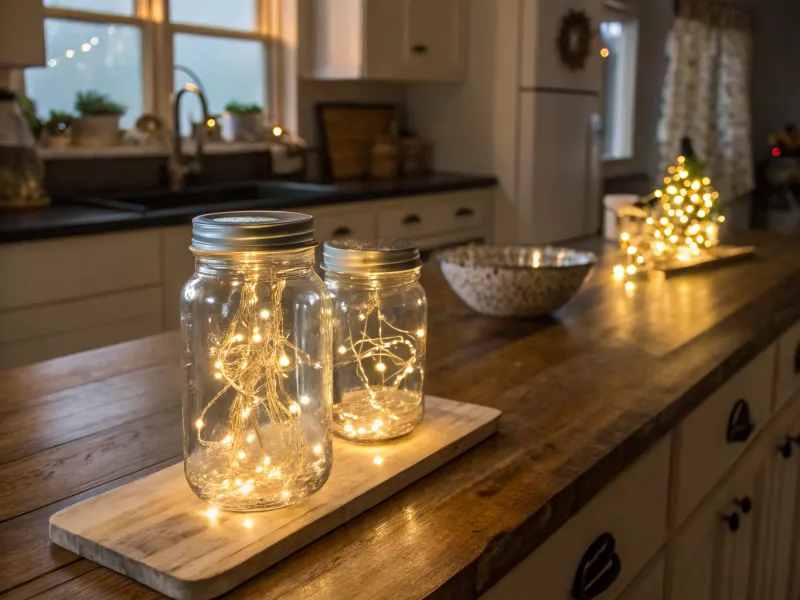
point(380, 320)
point(256, 325)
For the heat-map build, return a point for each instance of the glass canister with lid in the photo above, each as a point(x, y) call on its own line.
point(379, 331)
point(256, 334)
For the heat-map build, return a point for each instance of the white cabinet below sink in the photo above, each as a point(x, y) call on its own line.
point(66, 295)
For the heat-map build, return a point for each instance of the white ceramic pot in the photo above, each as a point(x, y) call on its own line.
point(247, 127)
point(96, 131)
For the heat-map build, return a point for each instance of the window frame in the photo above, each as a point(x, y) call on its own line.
point(629, 68)
point(158, 58)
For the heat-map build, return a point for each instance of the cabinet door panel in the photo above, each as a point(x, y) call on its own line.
point(649, 585)
point(433, 36)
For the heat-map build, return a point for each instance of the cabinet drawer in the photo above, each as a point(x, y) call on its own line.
point(47, 331)
point(53, 270)
point(704, 449)
point(345, 226)
point(788, 371)
point(436, 214)
point(632, 509)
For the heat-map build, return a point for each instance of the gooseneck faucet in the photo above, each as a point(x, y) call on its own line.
point(181, 165)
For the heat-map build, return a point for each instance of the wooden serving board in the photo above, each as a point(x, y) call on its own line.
point(715, 257)
point(156, 531)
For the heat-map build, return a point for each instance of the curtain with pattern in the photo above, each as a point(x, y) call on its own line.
point(706, 93)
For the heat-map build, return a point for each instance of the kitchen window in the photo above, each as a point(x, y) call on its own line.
point(139, 51)
point(620, 43)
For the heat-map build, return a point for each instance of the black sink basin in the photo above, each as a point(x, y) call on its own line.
point(236, 196)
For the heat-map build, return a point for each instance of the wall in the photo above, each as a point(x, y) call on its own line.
point(311, 92)
point(776, 65)
point(655, 20)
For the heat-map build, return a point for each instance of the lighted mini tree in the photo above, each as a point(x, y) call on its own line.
point(682, 222)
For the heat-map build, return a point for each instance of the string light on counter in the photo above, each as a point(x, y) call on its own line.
point(682, 222)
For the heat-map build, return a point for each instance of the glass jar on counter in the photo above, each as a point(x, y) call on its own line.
point(21, 170)
point(379, 329)
point(256, 334)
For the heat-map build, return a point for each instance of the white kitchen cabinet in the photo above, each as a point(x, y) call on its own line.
point(21, 34)
point(780, 570)
point(715, 555)
point(405, 40)
point(62, 296)
point(708, 442)
point(625, 523)
point(649, 585)
point(178, 263)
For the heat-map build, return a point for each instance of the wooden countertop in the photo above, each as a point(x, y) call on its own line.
point(583, 394)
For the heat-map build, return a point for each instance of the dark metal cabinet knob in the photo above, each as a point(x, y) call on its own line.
point(598, 570)
point(733, 521)
point(465, 212)
point(745, 504)
point(412, 220)
point(419, 49)
point(740, 423)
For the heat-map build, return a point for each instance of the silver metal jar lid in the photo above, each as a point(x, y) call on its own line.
point(363, 257)
point(252, 231)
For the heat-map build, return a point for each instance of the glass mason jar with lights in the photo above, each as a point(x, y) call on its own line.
point(256, 335)
point(379, 329)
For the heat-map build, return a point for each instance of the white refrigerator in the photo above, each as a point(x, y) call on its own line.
point(558, 166)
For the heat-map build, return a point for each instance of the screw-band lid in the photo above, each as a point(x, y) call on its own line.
point(364, 257)
point(252, 231)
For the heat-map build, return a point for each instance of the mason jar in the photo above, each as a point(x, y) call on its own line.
point(256, 334)
point(379, 329)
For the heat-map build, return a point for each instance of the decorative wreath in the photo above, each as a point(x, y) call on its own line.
point(574, 38)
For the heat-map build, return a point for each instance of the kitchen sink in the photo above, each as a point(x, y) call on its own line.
point(238, 196)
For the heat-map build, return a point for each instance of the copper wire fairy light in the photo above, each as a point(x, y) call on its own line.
point(259, 399)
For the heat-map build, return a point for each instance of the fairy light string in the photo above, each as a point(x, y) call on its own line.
point(682, 223)
point(263, 446)
point(382, 362)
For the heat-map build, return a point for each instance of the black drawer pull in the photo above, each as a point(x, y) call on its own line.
point(419, 49)
point(412, 220)
point(341, 232)
point(465, 212)
point(740, 423)
point(797, 359)
point(733, 521)
point(744, 503)
point(598, 570)
point(786, 448)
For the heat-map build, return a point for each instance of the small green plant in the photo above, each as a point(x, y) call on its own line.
point(28, 108)
point(58, 122)
point(240, 108)
point(92, 103)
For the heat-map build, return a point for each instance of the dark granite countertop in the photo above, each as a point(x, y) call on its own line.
point(65, 219)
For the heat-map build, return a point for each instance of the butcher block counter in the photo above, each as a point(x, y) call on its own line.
point(645, 451)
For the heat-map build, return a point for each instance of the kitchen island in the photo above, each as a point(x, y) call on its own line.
point(612, 390)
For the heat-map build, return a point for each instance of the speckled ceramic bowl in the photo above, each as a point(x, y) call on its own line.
point(515, 281)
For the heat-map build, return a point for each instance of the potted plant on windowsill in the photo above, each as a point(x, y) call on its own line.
point(98, 124)
point(247, 121)
point(58, 132)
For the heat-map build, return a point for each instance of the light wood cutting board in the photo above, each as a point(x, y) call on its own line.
point(156, 531)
